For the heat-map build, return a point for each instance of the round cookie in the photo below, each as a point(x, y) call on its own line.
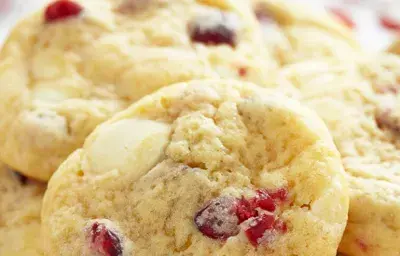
point(294, 33)
point(361, 106)
point(209, 167)
point(20, 204)
point(71, 66)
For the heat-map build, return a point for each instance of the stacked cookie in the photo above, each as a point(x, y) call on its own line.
point(360, 104)
point(163, 128)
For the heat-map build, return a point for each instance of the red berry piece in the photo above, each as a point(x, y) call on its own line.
point(280, 194)
point(389, 23)
point(62, 9)
point(343, 16)
point(245, 210)
point(242, 71)
point(103, 241)
point(214, 29)
point(258, 227)
point(218, 218)
point(280, 226)
point(222, 216)
point(264, 229)
point(265, 201)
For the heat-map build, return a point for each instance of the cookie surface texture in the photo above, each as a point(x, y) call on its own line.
point(296, 32)
point(20, 205)
point(74, 64)
point(361, 107)
point(209, 167)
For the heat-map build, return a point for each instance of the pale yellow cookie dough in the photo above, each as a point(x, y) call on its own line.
point(20, 205)
point(394, 48)
point(296, 32)
point(360, 103)
point(60, 79)
point(165, 176)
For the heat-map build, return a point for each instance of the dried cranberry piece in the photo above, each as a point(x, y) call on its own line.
point(279, 194)
point(257, 228)
point(343, 16)
point(280, 226)
point(62, 9)
point(222, 216)
point(215, 29)
point(265, 201)
point(264, 228)
point(245, 210)
point(104, 241)
point(389, 23)
point(242, 71)
point(218, 218)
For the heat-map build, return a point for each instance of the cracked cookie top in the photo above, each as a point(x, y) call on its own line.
point(209, 167)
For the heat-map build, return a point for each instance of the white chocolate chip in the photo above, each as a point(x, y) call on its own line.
point(130, 145)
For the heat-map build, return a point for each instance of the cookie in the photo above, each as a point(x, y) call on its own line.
point(209, 167)
point(20, 204)
point(71, 66)
point(394, 48)
point(295, 33)
point(360, 104)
